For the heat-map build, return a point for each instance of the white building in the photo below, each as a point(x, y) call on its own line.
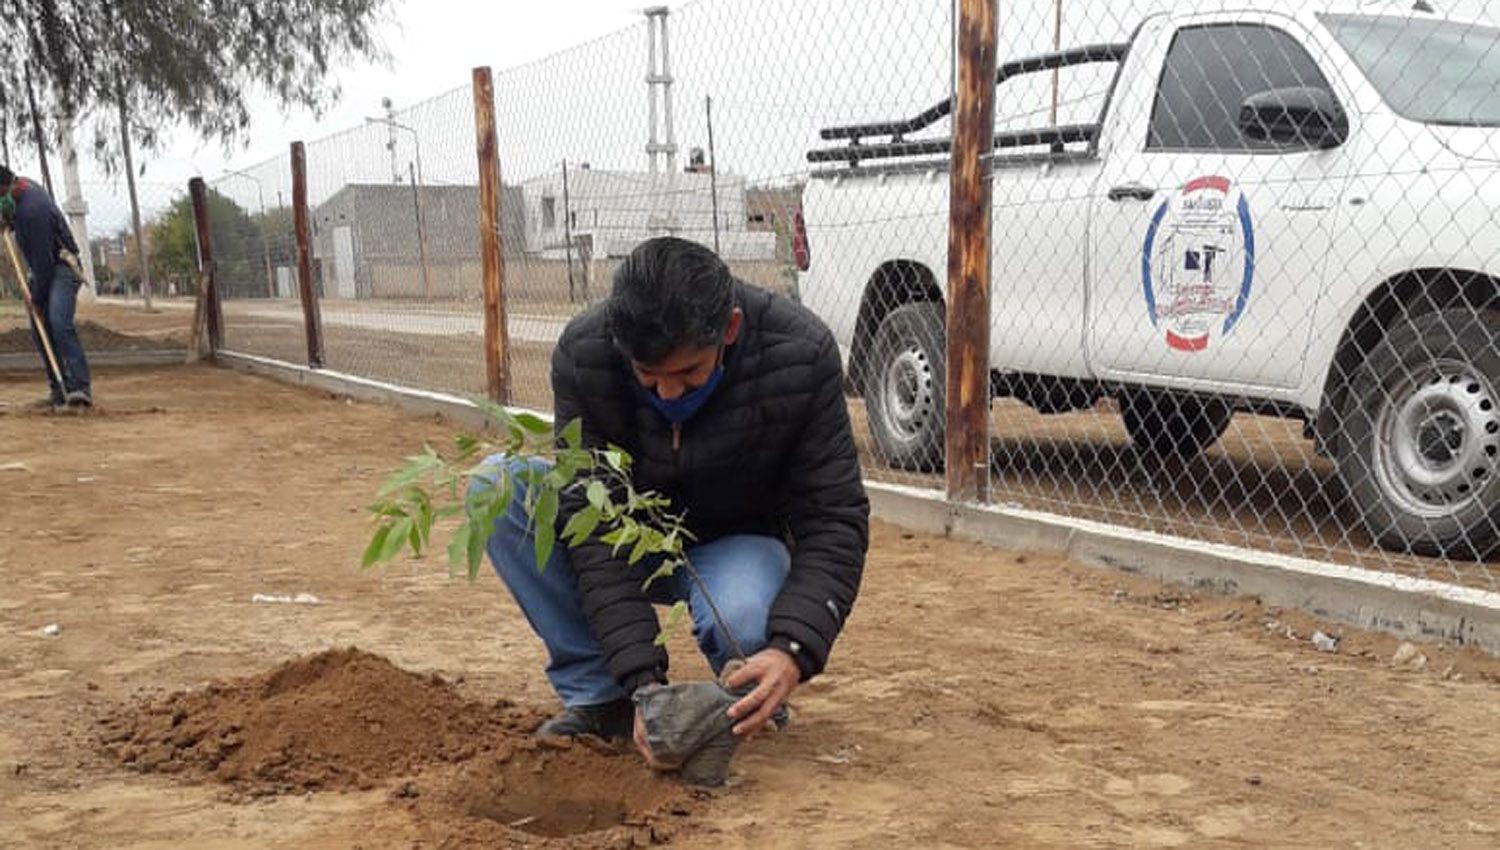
point(621, 209)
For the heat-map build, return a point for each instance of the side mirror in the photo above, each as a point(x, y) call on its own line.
point(1297, 115)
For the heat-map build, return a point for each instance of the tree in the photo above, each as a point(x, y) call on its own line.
point(174, 247)
point(236, 243)
point(167, 61)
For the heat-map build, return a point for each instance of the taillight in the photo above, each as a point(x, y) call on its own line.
point(801, 251)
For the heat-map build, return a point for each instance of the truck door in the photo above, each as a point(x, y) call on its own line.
point(1208, 248)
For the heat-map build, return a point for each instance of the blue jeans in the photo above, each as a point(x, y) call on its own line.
point(57, 302)
point(743, 573)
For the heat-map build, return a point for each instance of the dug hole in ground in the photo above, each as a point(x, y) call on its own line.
point(979, 697)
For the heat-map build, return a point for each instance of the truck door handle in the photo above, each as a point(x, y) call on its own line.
point(1132, 191)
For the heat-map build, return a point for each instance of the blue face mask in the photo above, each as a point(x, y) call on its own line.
point(685, 406)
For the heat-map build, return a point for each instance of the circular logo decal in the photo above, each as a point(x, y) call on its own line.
point(1198, 262)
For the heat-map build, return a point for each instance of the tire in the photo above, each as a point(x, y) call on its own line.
point(1164, 424)
point(905, 386)
point(1420, 454)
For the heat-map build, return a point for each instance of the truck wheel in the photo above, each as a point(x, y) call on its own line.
point(905, 385)
point(1163, 424)
point(1421, 450)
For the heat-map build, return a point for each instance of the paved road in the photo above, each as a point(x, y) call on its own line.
point(523, 327)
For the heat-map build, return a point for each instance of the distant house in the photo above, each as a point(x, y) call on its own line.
point(365, 237)
point(617, 210)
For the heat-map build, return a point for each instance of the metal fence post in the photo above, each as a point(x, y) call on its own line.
point(968, 323)
point(209, 281)
point(312, 319)
point(496, 343)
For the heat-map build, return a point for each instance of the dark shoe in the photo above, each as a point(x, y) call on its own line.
point(51, 402)
point(612, 721)
point(80, 398)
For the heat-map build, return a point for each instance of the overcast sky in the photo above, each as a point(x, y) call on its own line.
point(776, 69)
point(433, 44)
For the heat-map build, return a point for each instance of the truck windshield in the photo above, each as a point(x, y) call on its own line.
point(1433, 71)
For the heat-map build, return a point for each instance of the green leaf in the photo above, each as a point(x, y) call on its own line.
point(458, 547)
point(416, 538)
point(675, 615)
point(545, 533)
point(476, 549)
point(496, 412)
point(622, 535)
point(467, 446)
point(580, 525)
point(598, 494)
point(395, 539)
point(642, 547)
point(532, 424)
point(667, 568)
point(618, 459)
point(377, 545)
point(388, 508)
point(572, 434)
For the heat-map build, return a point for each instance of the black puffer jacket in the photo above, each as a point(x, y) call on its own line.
point(771, 452)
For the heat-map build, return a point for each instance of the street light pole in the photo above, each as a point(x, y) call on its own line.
point(416, 143)
point(265, 246)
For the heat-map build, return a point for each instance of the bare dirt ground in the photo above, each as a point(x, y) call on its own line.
point(978, 698)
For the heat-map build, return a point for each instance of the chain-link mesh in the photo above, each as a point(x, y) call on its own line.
point(1251, 290)
point(255, 260)
point(1244, 262)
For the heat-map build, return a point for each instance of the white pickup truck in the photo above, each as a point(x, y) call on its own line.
point(1285, 208)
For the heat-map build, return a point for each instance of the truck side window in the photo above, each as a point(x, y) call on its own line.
point(1209, 71)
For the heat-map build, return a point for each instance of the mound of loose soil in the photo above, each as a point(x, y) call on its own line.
point(583, 795)
point(95, 337)
point(471, 774)
point(339, 719)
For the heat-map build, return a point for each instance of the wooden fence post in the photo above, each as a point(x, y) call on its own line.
point(968, 380)
point(312, 318)
point(496, 341)
point(209, 275)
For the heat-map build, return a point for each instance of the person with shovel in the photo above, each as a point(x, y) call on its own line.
point(730, 401)
point(31, 216)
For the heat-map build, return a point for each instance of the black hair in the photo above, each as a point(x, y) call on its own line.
point(7, 176)
point(669, 294)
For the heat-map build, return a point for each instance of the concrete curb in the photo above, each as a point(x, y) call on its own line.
point(426, 402)
point(1397, 604)
point(1388, 602)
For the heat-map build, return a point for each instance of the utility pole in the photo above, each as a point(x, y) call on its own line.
point(661, 144)
point(418, 183)
point(713, 167)
point(135, 204)
point(416, 201)
point(390, 143)
point(1056, 45)
point(568, 235)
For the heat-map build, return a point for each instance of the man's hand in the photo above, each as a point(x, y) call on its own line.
point(775, 675)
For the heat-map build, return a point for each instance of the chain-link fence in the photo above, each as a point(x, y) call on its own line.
point(1243, 261)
